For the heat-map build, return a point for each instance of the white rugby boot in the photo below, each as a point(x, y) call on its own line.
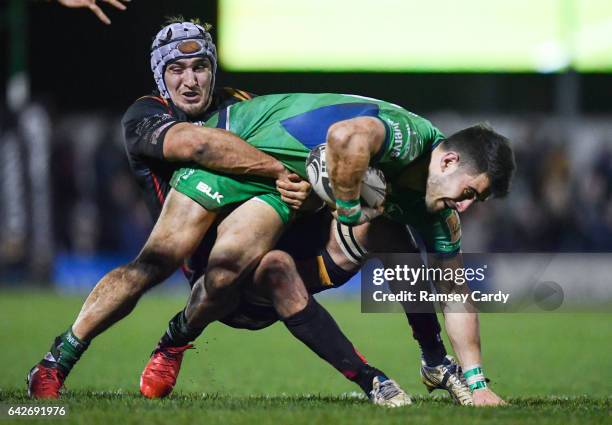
point(386, 392)
point(447, 376)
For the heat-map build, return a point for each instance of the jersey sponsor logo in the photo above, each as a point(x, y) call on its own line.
point(454, 226)
point(398, 139)
point(208, 191)
point(151, 127)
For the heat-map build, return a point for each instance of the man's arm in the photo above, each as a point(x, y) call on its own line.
point(463, 329)
point(150, 131)
point(350, 145)
point(218, 150)
point(91, 5)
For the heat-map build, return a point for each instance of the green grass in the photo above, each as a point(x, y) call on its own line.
point(553, 368)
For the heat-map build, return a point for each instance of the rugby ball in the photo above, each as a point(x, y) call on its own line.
point(373, 185)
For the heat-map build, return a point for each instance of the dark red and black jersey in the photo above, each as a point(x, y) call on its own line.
point(145, 125)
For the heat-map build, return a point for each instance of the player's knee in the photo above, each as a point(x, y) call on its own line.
point(338, 136)
point(147, 270)
point(275, 270)
point(198, 294)
point(156, 264)
point(220, 280)
point(227, 267)
point(276, 262)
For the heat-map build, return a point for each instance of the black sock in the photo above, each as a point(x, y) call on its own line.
point(366, 376)
point(315, 327)
point(178, 333)
point(426, 330)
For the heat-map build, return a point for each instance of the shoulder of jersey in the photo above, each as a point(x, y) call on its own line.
point(155, 98)
point(230, 92)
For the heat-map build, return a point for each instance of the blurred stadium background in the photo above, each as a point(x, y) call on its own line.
point(540, 72)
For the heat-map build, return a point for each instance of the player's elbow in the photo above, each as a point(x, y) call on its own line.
point(339, 136)
point(355, 135)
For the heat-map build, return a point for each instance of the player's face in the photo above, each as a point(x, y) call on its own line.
point(188, 82)
point(449, 185)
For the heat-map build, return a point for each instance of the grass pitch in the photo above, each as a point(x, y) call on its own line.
point(553, 368)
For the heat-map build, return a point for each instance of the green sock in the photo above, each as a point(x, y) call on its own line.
point(66, 350)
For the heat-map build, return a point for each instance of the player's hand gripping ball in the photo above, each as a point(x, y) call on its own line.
point(373, 184)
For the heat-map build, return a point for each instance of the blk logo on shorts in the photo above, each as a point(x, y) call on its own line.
point(207, 190)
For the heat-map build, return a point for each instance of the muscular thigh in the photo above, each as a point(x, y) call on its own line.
point(245, 235)
point(179, 229)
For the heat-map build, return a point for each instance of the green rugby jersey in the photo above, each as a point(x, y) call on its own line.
point(287, 126)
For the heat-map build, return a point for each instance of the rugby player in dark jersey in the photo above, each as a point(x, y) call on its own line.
point(159, 133)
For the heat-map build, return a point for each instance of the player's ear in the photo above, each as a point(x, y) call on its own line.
point(449, 161)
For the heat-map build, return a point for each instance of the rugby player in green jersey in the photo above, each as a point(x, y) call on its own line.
point(430, 178)
point(255, 223)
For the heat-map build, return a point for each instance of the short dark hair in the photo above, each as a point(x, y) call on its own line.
point(485, 151)
point(179, 18)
